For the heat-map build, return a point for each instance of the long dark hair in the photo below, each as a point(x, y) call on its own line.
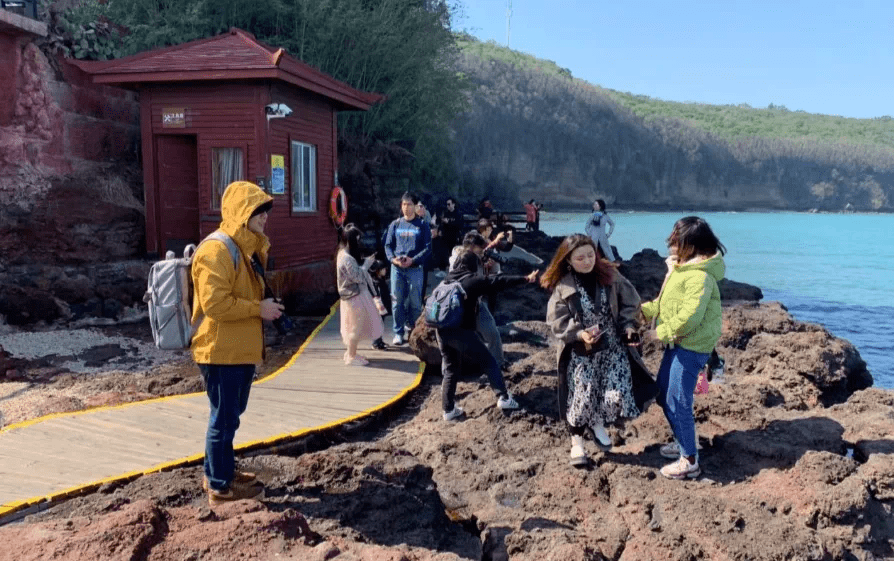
point(693, 236)
point(350, 239)
point(561, 266)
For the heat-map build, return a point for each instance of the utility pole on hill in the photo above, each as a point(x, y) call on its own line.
point(508, 18)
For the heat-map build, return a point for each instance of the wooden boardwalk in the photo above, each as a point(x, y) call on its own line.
point(55, 457)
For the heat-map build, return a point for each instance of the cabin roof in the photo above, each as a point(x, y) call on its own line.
point(235, 55)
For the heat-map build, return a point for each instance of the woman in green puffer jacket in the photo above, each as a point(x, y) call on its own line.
point(689, 323)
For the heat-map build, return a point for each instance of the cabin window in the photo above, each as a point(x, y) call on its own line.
point(304, 177)
point(227, 166)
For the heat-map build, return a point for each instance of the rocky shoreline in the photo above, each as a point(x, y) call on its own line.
point(797, 449)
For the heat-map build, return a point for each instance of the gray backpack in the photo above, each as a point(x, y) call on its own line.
point(169, 295)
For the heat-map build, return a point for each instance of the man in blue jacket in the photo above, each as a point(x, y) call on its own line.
point(407, 246)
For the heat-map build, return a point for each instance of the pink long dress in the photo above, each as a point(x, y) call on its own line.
point(360, 320)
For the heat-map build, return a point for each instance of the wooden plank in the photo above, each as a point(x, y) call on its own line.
point(63, 452)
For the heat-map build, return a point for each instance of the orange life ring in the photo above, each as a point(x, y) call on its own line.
point(337, 199)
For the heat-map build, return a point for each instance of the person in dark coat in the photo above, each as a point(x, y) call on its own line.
point(462, 344)
point(485, 209)
point(451, 224)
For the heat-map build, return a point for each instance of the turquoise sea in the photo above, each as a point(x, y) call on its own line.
point(833, 269)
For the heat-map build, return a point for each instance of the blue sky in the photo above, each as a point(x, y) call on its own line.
point(834, 58)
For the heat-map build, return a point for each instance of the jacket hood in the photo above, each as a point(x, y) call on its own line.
point(459, 276)
point(465, 264)
point(713, 266)
point(240, 199)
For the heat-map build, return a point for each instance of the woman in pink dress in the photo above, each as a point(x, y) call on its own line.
point(360, 320)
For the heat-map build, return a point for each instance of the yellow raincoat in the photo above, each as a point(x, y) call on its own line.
point(230, 297)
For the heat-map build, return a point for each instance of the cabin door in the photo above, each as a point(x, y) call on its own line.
point(178, 191)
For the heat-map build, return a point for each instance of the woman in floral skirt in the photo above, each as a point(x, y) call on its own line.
point(592, 311)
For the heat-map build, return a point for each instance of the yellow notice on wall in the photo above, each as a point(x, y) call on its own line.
point(277, 174)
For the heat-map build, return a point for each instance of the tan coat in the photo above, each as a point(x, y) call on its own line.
point(230, 297)
point(563, 315)
point(622, 298)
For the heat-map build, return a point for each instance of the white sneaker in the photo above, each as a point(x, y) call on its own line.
point(451, 415)
point(507, 402)
point(681, 469)
point(398, 340)
point(578, 456)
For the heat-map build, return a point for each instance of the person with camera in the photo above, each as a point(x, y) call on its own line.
point(491, 259)
point(360, 319)
point(499, 241)
point(229, 305)
point(592, 312)
point(461, 344)
point(502, 234)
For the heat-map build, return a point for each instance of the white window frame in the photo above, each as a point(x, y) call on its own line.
point(303, 184)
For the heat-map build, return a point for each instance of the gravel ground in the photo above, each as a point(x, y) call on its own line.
point(99, 363)
point(68, 349)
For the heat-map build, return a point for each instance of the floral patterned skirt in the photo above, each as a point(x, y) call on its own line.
point(600, 387)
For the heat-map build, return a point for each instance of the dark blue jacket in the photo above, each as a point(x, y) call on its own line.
point(410, 238)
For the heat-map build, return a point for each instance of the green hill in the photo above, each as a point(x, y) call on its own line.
point(736, 121)
point(533, 130)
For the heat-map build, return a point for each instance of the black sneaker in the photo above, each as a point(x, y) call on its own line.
point(379, 345)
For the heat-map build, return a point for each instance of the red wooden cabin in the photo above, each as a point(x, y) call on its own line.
point(227, 108)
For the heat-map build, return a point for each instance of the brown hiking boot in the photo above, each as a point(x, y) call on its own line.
point(243, 477)
point(236, 492)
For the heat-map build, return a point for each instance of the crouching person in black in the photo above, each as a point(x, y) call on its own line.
point(462, 343)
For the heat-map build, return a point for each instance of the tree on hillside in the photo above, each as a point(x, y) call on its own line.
point(400, 48)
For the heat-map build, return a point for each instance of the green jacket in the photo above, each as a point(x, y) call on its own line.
point(688, 308)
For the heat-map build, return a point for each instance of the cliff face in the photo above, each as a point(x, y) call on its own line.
point(565, 143)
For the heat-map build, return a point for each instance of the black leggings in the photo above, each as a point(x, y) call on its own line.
point(460, 346)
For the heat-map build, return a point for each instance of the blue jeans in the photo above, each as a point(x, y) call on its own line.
point(458, 345)
point(227, 387)
point(406, 296)
point(676, 387)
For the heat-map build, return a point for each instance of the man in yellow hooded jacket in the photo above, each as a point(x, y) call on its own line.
point(229, 342)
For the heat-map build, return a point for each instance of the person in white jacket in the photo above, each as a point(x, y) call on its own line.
point(596, 229)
